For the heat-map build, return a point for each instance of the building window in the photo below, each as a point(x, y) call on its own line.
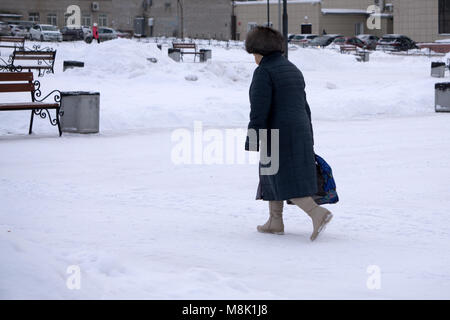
point(444, 16)
point(51, 19)
point(251, 26)
point(34, 16)
point(359, 28)
point(103, 20)
point(86, 20)
point(306, 28)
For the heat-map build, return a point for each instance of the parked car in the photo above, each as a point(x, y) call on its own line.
point(45, 32)
point(27, 24)
point(106, 33)
point(395, 42)
point(19, 31)
point(87, 33)
point(124, 34)
point(290, 36)
point(370, 40)
point(349, 42)
point(5, 30)
point(323, 41)
point(72, 34)
point(303, 38)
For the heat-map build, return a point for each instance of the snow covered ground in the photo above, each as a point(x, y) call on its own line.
point(139, 226)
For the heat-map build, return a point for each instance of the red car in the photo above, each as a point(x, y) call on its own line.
point(349, 43)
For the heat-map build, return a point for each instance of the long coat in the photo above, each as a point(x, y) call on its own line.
point(278, 101)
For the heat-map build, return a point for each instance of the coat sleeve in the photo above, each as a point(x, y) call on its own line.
point(308, 111)
point(260, 102)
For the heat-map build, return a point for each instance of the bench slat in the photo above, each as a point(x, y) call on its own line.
point(12, 40)
point(34, 53)
point(33, 57)
point(34, 67)
point(16, 76)
point(16, 87)
point(27, 106)
point(5, 38)
point(15, 46)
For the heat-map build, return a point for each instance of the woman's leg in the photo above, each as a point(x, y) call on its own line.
point(319, 215)
point(275, 222)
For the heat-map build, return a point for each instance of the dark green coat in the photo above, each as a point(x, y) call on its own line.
point(278, 101)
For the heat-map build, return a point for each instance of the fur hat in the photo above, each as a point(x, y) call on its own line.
point(264, 41)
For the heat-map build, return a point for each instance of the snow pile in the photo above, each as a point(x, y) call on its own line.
point(139, 226)
point(137, 94)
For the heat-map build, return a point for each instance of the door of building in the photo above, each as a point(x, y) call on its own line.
point(306, 28)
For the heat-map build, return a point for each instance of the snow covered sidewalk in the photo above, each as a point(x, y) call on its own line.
point(139, 226)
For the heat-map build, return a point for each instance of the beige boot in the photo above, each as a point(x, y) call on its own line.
point(319, 215)
point(275, 223)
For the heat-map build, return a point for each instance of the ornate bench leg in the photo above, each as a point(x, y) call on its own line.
point(31, 122)
point(58, 122)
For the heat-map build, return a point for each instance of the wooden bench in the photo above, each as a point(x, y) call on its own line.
point(43, 61)
point(182, 45)
point(23, 82)
point(12, 42)
point(345, 48)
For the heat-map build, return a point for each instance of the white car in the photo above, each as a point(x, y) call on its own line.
point(19, 31)
point(106, 33)
point(87, 32)
point(45, 32)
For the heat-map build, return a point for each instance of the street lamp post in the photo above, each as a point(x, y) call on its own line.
point(285, 28)
point(268, 13)
point(180, 5)
point(279, 15)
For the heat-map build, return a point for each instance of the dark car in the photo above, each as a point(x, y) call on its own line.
point(396, 42)
point(124, 34)
point(27, 24)
point(370, 40)
point(303, 39)
point(72, 34)
point(5, 30)
point(323, 41)
point(349, 42)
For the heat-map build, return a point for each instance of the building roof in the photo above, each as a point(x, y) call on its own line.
point(274, 2)
point(10, 15)
point(344, 11)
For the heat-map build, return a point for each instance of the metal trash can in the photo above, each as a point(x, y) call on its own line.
point(442, 97)
point(438, 69)
point(81, 112)
point(175, 54)
point(205, 55)
point(72, 64)
point(363, 56)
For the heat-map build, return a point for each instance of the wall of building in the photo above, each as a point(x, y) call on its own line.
point(339, 24)
point(417, 19)
point(201, 18)
point(347, 4)
point(299, 13)
point(166, 18)
point(119, 14)
point(204, 20)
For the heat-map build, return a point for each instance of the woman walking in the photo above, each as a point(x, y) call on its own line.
point(278, 101)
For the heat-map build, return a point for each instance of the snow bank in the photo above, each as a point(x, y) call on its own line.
point(138, 94)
